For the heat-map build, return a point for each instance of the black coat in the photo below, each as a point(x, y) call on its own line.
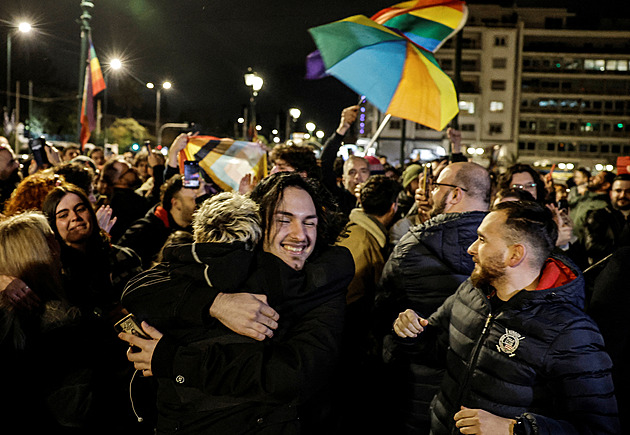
point(212, 380)
point(538, 356)
point(425, 268)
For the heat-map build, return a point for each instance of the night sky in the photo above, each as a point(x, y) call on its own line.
point(204, 47)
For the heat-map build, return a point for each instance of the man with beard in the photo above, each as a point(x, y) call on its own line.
point(522, 357)
point(597, 196)
point(425, 268)
point(607, 228)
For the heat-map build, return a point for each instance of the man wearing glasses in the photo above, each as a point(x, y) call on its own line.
point(426, 267)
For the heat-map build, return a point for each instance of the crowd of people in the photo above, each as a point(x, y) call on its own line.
point(331, 296)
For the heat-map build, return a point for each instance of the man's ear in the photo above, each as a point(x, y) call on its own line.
point(516, 254)
point(455, 196)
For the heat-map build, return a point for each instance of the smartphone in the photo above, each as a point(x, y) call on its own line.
point(39, 153)
point(130, 325)
point(191, 174)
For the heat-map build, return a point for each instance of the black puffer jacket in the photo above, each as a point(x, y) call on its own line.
point(425, 268)
point(538, 356)
point(212, 380)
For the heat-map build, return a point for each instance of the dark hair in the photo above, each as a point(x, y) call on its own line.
point(378, 194)
point(532, 223)
point(300, 157)
point(269, 192)
point(49, 207)
point(505, 182)
point(519, 194)
point(622, 177)
point(96, 149)
point(77, 174)
point(69, 147)
point(584, 171)
point(609, 177)
point(178, 237)
point(169, 190)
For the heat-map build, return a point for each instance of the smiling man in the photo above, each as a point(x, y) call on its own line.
point(521, 356)
point(286, 299)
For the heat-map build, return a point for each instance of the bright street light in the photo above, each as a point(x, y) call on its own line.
point(115, 64)
point(310, 126)
point(274, 131)
point(150, 85)
point(167, 85)
point(295, 113)
point(320, 134)
point(240, 120)
point(22, 27)
point(258, 127)
point(158, 99)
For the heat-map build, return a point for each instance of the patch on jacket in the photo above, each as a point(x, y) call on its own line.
point(508, 343)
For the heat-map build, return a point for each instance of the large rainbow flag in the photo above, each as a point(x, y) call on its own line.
point(93, 85)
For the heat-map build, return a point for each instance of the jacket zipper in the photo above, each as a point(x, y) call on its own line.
point(471, 365)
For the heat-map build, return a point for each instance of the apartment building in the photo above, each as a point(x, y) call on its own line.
point(531, 89)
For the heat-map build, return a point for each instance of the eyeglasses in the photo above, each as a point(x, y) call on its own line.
point(523, 186)
point(435, 186)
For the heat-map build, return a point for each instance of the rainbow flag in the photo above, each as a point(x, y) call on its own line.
point(94, 83)
point(427, 23)
point(226, 160)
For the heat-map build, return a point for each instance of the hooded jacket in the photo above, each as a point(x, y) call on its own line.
point(537, 357)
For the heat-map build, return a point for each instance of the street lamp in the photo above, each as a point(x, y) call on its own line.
point(320, 134)
point(310, 126)
point(158, 101)
point(255, 82)
point(22, 27)
point(114, 65)
point(292, 115)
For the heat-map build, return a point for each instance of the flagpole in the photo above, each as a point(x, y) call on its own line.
point(85, 33)
point(378, 132)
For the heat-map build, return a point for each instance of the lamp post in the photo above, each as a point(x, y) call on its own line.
point(292, 115)
point(255, 83)
point(114, 65)
point(85, 18)
point(23, 27)
point(310, 126)
point(158, 102)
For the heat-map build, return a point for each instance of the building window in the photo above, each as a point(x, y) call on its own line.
point(395, 124)
point(467, 127)
point(467, 106)
point(498, 85)
point(499, 62)
point(500, 41)
point(496, 128)
point(446, 64)
point(496, 106)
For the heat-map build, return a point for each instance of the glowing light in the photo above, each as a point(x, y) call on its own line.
point(258, 127)
point(307, 136)
point(609, 167)
point(240, 120)
point(295, 113)
point(24, 27)
point(167, 85)
point(479, 151)
point(150, 85)
point(274, 131)
point(276, 139)
point(561, 166)
point(320, 134)
point(115, 64)
point(570, 166)
point(310, 126)
point(599, 167)
point(135, 147)
point(470, 151)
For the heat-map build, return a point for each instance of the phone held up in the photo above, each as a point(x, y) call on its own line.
point(130, 325)
point(39, 153)
point(191, 174)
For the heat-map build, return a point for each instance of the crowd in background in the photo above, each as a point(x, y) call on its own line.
point(73, 234)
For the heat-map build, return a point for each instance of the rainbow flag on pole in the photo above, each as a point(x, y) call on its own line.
point(93, 85)
point(226, 161)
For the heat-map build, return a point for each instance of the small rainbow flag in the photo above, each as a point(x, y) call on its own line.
point(226, 160)
point(94, 83)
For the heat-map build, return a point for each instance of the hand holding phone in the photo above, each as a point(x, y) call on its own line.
point(130, 325)
point(191, 174)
